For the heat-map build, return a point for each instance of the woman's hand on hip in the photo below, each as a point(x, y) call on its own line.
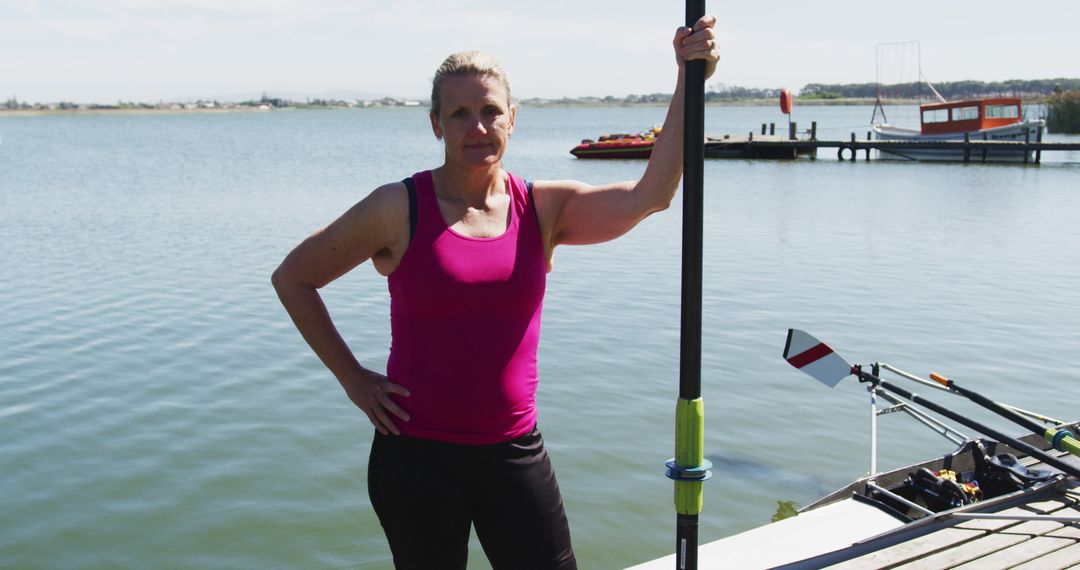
point(371, 392)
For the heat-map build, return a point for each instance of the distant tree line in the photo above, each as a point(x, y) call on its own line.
point(949, 90)
point(267, 100)
point(13, 103)
point(281, 102)
point(722, 92)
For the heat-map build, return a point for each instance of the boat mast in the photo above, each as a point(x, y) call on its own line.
point(877, 78)
point(881, 51)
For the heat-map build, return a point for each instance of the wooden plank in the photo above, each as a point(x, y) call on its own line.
point(1036, 508)
point(1068, 557)
point(1068, 531)
point(1033, 528)
point(1013, 537)
point(1071, 511)
point(972, 540)
point(966, 552)
point(913, 549)
point(1050, 505)
point(990, 525)
point(1018, 554)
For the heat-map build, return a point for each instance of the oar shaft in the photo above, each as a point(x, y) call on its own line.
point(1015, 443)
point(997, 408)
point(1065, 442)
point(693, 219)
point(936, 384)
point(690, 422)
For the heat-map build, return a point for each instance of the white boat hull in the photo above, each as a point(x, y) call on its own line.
point(1015, 133)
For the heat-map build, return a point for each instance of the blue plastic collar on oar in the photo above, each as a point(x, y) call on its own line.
point(1059, 436)
point(699, 473)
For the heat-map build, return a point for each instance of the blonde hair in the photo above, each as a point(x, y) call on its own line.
point(467, 63)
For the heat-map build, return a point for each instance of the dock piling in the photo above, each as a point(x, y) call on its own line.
point(967, 147)
point(1038, 150)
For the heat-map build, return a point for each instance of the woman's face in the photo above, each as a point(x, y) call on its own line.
point(475, 121)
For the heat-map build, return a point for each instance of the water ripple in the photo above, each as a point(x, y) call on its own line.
point(160, 410)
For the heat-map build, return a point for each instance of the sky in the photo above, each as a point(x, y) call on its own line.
point(104, 51)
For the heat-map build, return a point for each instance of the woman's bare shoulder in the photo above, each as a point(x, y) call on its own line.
point(388, 199)
point(376, 228)
point(383, 218)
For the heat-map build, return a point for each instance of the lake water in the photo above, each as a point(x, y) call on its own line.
point(158, 409)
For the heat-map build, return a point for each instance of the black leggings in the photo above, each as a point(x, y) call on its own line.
point(427, 494)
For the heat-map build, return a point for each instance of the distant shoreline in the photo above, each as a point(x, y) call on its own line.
point(587, 103)
point(527, 103)
point(772, 101)
point(1035, 91)
point(125, 111)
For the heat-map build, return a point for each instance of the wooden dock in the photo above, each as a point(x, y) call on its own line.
point(971, 150)
point(759, 147)
point(967, 150)
point(992, 542)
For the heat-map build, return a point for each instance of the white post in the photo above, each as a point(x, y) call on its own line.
point(873, 431)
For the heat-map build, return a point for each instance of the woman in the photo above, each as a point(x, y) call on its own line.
point(466, 248)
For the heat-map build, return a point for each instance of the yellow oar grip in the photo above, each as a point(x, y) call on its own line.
point(939, 379)
point(689, 452)
point(1063, 440)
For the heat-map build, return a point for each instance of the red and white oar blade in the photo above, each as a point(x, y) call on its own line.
point(815, 358)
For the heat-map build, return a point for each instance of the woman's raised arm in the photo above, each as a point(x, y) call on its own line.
point(578, 213)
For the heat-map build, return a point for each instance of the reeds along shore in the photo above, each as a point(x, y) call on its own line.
point(1063, 114)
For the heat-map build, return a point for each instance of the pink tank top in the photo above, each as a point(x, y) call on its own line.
point(465, 324)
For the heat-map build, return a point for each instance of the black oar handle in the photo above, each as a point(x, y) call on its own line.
point(990, 404)
point(1015, 443)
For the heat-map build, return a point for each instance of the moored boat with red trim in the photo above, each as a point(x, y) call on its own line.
point(992, 118)
point(638, 145)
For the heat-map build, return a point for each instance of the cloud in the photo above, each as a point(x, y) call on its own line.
point(158, 48)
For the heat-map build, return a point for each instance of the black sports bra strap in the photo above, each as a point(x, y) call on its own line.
point(532, 199)
point(412, 206)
